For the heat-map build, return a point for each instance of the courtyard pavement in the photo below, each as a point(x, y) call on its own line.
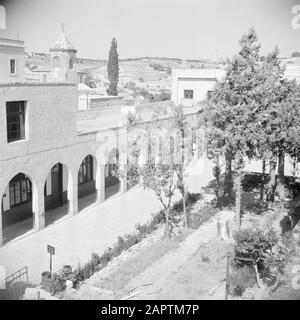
point(94, 229)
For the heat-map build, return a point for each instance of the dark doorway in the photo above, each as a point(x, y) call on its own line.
point(56, 186)
point(16, 206)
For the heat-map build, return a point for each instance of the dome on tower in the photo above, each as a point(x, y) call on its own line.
point(62, 44)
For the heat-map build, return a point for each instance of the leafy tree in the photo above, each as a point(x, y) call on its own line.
point(161, 178)
point(227, 115)
point(253, 113)
point(278, 118)
point(180, 125)
point(113, 69)
point(295, 54)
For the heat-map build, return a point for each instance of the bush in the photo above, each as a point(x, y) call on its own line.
point(269, 250)
point(54, 284)
point(131, 240)
point(240, 279)
point(255, 244)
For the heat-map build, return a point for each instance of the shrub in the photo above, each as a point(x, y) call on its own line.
point(255, 244)
point(54, 284)
point(269, 250)
point(240, 279)
point(142, 229)
point(95, 258)
point(130, 240)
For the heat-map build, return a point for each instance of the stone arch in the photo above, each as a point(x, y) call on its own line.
point(112, 178)
point(2, 17)
point(87, 176)
point(18, 204)
point(57, 191)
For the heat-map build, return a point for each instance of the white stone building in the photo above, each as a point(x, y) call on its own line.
point(191, 86)
point(51, 154)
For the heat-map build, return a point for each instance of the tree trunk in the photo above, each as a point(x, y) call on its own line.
point(184, 210)
point(272, 183)
point(262, 180)
point(182, 179)
point(238, 199)
point(218, 189)
point(228, 176)
point(281, 167)
point(294, 168)
point(167, 230)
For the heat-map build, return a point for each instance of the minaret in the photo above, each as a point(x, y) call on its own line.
point(63, 60)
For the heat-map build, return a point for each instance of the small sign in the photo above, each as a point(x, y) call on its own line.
point(51, 250)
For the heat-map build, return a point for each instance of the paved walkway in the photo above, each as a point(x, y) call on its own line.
point(93, 230)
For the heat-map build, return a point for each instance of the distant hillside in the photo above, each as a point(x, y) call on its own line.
point(46, 56)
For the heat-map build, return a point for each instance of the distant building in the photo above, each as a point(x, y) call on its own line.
point(12, 60)
point(292, 69)
point(191, 86)
point(63, 60)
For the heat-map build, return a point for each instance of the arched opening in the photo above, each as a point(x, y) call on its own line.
point(17, 212)
point(2, 17)
point(87, 182)
point(112, 179)
point(56, 193)
point(56, 62)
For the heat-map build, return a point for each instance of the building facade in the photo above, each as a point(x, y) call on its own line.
point(46, 160)
point(192, 86)
point(52, 155)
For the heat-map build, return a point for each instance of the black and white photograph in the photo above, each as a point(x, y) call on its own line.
point(149, 151)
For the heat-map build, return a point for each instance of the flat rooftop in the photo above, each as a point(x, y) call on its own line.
point(107, 122)
point(36, 84)
point(213, 73)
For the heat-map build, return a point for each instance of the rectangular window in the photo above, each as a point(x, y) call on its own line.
point(12, 66)
point(85, 173)
point(15, 116)
point(188, 94)
point(19, 190)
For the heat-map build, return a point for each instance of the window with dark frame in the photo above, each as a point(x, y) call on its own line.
point(15, 116)
point(85, 173)
point(20, 190)
point(188, 94)
point(12, 66)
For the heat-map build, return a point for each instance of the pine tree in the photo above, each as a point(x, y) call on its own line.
point(113, 69)
point(229, 111)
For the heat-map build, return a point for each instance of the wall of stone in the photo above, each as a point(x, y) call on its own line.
point(50, 117)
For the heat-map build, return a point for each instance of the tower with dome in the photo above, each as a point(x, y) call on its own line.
point(63, 60)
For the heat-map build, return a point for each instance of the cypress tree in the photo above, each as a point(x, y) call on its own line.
point(113, 69)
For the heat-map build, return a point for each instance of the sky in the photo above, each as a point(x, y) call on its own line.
point(186, 29)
